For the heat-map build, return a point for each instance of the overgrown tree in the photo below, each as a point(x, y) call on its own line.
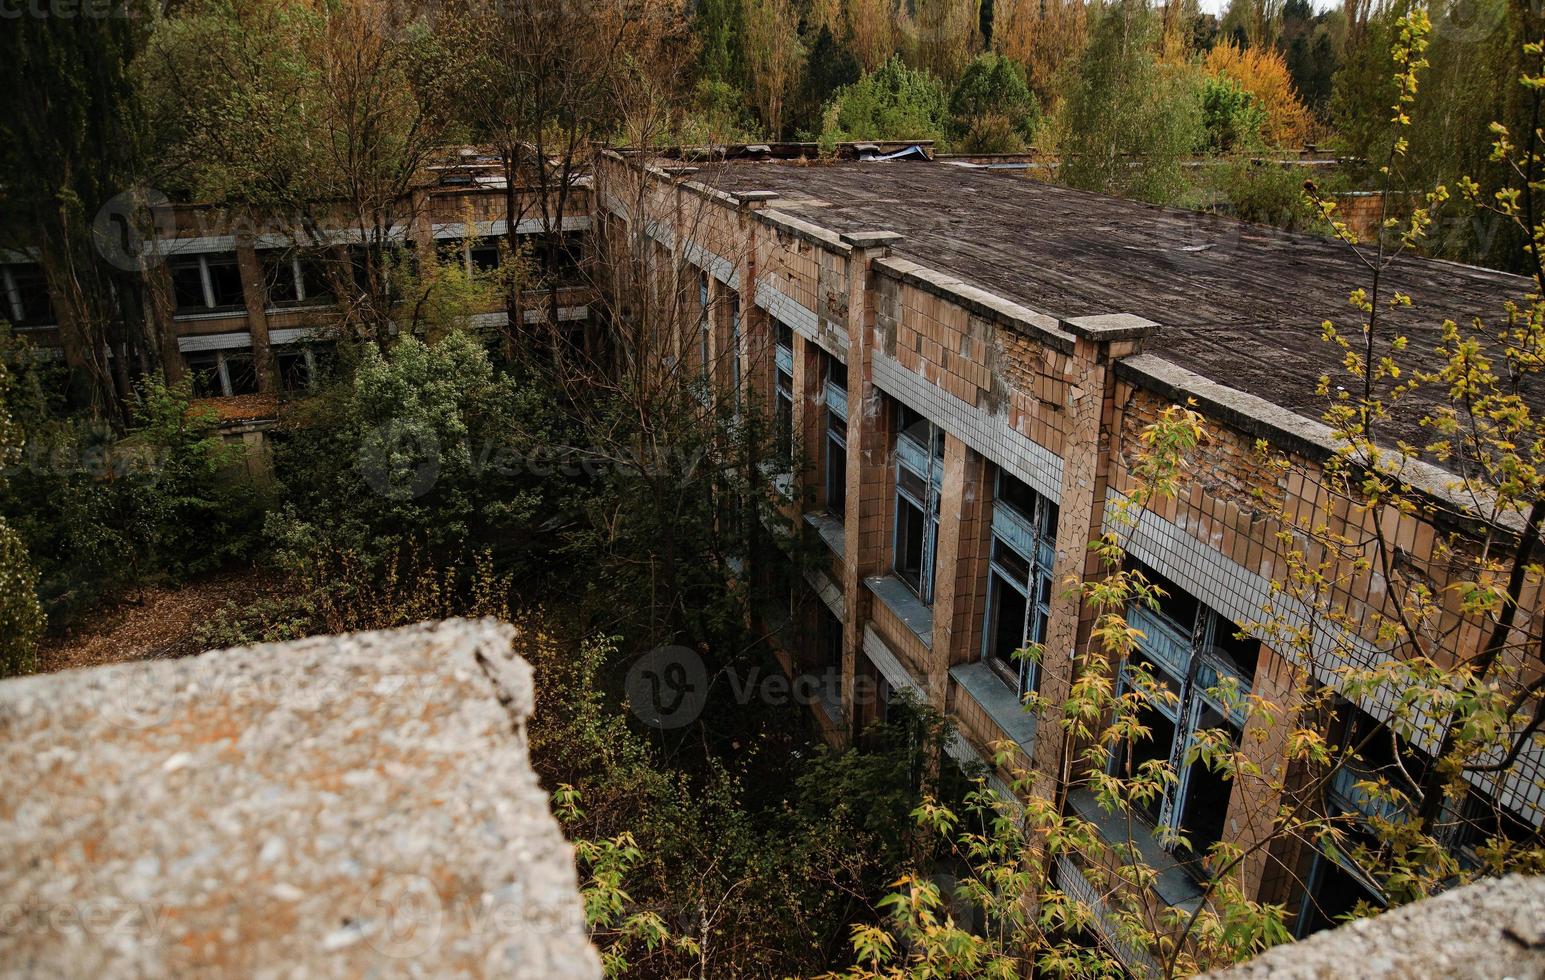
point(1127, 121)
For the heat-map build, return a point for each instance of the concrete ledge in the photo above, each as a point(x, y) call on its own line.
point(871, 239)
point(1107, 327)
point(337, 806)
point(980, 302)
point(1489, 929)
point(999, 701)
point(804, 230)
point(1287, 430)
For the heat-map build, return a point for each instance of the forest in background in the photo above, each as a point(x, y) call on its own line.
point(1119, 95)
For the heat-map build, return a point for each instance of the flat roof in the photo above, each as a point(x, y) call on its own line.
point(1237, 303)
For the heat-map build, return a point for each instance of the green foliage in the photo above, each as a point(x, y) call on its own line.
point(1267, 193)
point(419, 444)
point(21, 615)
point(893, 102)
point(719, 114)
point(830, 66)
point(720, 27)
point(992, 109)
point(1230, 116)
point(168, 500)
point(1127, 121)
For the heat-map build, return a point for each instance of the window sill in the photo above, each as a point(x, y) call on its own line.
point(830, 528)
point(218, 313)
point(1173, 884)
point(998, 701)
point(905, 604)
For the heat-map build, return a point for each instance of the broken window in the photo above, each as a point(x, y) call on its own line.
point(281, 277)
point(204, 371)
point(836, 462)
point(919, 451)
point(206, 283)
point(783, 414)
point(27, 303)
point(702, 323)
point(1194, 657)
point(1019, 579)
point(224, 281)
point(484, 253)
point(188, 284)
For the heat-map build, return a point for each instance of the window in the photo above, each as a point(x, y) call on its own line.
point(1335, 885)
point(484, 253)
point(220, 373)
point(241, 376)
point(1019, 579)
point(204, 369)
point(27, 303)
point(919, 476)
point(735, 344)
point(206, 283)
point(702, 322)
point(558, 256)
point(1187, 649)
point(281, 278)
point(314, 282)
point(224, 281)
point(783, 409)
point(836, 468)
point(188, 285)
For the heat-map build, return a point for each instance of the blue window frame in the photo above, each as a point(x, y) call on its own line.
point(1019, 580)
point(919, 451)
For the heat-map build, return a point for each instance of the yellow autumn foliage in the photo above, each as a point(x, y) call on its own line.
point(1264, 74)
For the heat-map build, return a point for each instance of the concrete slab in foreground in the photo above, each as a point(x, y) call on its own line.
point(1487, 930)
point(337, 806)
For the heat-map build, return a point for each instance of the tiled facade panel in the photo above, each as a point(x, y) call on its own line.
point(984, 421)
point(1218, 538)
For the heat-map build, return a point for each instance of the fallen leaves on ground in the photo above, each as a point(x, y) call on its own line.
point(149, 623)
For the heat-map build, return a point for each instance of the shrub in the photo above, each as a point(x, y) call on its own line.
point(992, 109)
point(893, 102)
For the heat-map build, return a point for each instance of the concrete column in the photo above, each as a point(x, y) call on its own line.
point(809, 418)
point(868, 457)
point(1087, 458)
point(960, 568)
point(946, 549)
point(422, 231)
point(254, 292)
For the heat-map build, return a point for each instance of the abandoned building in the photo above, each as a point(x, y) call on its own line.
point(963, 360)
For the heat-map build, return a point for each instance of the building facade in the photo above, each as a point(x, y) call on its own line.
point(964, 361)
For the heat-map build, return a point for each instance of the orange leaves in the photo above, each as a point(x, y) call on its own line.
point(1263, 73)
